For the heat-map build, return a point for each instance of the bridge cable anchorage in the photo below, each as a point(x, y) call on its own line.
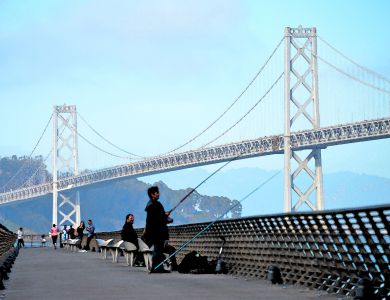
point(112, 144)
point(29, 157)
point(353, 62)
point(349, 75)
point(220, 217)
point(208, 177)
point(232, 104)
point(246, 114)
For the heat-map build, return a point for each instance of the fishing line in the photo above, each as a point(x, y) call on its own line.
point(220, 217)
point(208, 177)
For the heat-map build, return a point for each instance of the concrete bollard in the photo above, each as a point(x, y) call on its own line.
point(4, 273)
point(364, 290)
point(274, 275)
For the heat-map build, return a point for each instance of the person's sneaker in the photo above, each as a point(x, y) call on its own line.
point(139, 265)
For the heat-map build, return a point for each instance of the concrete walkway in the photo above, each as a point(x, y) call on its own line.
point(45, 273)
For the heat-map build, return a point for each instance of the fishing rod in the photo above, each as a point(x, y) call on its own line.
point(213, 222)
point(208, 177)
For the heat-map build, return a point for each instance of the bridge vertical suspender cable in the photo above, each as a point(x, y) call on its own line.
point(232, 104)
point(353, 62)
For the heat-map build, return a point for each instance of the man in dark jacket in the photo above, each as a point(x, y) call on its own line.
point(156, 229)
point(128, 233)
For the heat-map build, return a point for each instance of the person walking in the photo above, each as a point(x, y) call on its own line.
point(156, 229)
point(20, 238)
point(54, 235)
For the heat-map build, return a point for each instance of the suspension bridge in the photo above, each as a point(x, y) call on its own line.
point(259, 112)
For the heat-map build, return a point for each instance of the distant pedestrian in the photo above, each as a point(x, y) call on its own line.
point(54, 235)
point(90, 233)
point(43, 240)
point(71, 232)
point(80, 232)
point(65, 233)
point(20, 238)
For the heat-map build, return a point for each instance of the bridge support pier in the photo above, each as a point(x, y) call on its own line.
point(66, 203)
point(301, 110)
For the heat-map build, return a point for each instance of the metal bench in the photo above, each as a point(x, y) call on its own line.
point(147, 253)
point(129, 249)
point(73, 244)
point(114, 250)
point(103, 246)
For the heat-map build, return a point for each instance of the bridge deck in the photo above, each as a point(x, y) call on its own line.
point(44, 273)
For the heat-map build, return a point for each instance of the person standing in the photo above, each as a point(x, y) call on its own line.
point(156, 229)
point(71, 232)
point(80, 232)
point(65, 233)
point(43, 241)
point(20, 238)
point(54, 235)
point(90, 233)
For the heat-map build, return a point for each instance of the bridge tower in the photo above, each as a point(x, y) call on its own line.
point(301, 111)
point(66, 202)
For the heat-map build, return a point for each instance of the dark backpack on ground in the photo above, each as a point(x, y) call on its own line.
point(195, 263)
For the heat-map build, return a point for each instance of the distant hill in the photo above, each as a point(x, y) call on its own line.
point(341, 190)
point(107, 204)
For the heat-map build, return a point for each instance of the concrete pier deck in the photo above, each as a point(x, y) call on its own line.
point(45, 273)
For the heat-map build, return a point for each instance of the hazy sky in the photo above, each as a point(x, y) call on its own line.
point(148, 75)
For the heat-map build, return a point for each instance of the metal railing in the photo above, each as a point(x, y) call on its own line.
point(35, 240)
point(7, 239)
point(328, 250)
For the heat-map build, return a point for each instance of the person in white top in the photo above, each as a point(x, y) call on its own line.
point(20, 238)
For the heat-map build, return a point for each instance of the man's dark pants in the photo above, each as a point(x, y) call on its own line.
point(157, 255)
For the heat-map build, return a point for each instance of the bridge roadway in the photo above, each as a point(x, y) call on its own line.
point(308, 139)
point(45, 273)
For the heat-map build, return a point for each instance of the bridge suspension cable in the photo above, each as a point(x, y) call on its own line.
point(346, 73)
point(232, 104)
point(102, 150)
point(29, 157)
point(42, 164)
point(247, 113)
point(37, 170)
point(353, 77)
point(106, 140)
point(353, 62)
